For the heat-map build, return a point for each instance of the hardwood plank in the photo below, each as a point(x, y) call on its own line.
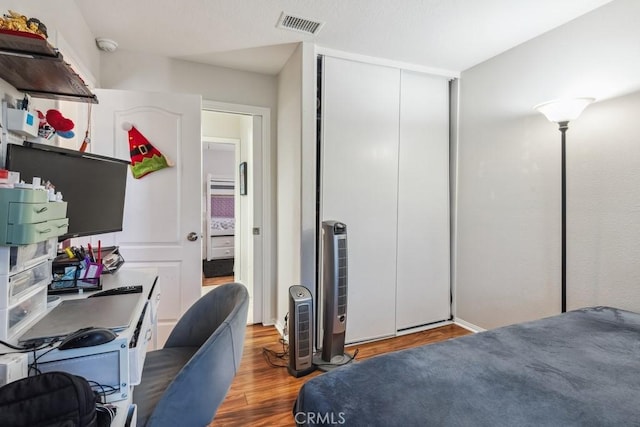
point(262, 395)
point(213, 281)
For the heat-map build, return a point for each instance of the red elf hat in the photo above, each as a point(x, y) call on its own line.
point(145, 158)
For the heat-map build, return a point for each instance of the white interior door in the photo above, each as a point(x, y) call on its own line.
point(360, 107)
point(422, 295)
point(164, 207)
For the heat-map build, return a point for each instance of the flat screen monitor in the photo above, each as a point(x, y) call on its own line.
point(92, 185)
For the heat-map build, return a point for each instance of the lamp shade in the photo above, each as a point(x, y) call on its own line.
point(563, 110)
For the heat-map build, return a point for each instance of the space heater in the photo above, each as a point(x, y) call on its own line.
point(300, 331)
point(334, 293)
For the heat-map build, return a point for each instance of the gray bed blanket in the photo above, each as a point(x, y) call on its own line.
point(580, 368)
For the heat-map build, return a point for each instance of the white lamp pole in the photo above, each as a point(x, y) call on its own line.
point(562, 112)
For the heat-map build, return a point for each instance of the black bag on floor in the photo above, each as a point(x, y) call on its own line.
point(52, 399)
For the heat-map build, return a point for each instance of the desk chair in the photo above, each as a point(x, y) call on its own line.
point(184, 383)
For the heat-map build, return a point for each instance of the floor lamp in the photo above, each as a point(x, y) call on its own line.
point(562, 112)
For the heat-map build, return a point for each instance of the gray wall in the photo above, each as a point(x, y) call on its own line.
point(508, 197)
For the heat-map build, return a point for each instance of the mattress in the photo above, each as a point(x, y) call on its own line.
point(580, 368)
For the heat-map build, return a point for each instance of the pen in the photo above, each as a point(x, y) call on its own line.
point(99, 251)
point(77, 254)
point(90, 250)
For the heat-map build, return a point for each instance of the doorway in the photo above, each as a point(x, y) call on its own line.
point(221, 210)
point(252, 240)
point(227, 247)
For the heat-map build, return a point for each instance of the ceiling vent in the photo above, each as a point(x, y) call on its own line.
point(302, 25)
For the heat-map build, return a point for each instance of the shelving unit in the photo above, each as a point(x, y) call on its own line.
point(30, 64)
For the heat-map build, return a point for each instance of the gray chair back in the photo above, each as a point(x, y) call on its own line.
point(216, 325)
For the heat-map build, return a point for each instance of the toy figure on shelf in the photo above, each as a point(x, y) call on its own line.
point(62, 125)
point(15, 21)
point(55, 123)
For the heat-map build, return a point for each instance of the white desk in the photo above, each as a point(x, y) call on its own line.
point(119, 363)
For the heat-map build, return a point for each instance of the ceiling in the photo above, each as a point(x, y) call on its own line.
point(450, 35)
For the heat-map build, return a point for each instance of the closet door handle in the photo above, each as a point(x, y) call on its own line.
point(192, 237)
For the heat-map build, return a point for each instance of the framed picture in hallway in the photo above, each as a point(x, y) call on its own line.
point(243, 178)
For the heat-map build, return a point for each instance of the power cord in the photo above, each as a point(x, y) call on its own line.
point(34, 365)
point(104, 390)
point(106, 411)
point(283, 355)
point(285, 330)
point(34, 346)
point(23, 349)
point(270, 355)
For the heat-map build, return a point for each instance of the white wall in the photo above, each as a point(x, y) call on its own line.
point(508, 197)
point(296, 175)
point(309, 221)
point(221, 125)
point(219, 162)
point(144, 72)
point(289, 178)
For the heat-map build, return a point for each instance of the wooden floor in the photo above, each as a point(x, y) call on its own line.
point(262, 395)
point(212, 281)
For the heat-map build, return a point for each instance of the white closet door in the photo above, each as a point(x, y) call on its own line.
point(360, 106)
point(423, 202)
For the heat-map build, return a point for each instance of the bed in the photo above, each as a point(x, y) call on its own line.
point(580, 368)
point(220, 219)
point(222, 226)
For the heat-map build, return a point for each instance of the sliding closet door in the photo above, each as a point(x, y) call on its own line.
point(359, 166)
point(423, 201)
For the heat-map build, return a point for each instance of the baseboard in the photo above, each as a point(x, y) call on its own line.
point(468, 326)
point(423, 328)
point(279, 325)
point(280, 328)
point(271, 322)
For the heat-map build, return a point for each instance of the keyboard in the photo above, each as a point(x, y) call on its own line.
point(134, 289)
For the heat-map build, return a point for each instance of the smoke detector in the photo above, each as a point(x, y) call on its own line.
point(296, 23)
point(106, 45)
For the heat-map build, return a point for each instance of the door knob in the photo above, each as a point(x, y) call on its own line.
point(192, 237)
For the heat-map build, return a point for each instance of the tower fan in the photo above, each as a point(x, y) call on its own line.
point(334, 291)
point(300, 331)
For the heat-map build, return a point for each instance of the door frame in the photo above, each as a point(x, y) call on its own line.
point(263, 293)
